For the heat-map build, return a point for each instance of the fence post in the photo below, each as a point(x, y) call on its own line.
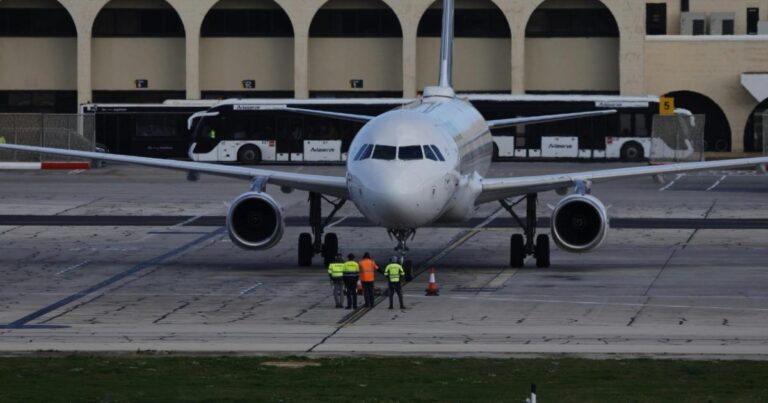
point(42, 135)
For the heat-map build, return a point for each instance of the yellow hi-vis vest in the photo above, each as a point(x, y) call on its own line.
point(336, 270)
point(393, 272)
point(351, 268)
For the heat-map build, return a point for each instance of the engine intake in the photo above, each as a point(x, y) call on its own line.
point(255, 221)
point(579, 223)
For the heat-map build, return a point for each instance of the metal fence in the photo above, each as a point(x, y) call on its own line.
point(69, 131)
point(677, 138)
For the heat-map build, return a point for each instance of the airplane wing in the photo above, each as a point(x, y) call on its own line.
point(529, 120)
point(329, 185)
point(494, 189)
point(335, 115)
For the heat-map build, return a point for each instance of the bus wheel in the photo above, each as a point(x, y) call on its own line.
point(632, 152)
point(249, 155)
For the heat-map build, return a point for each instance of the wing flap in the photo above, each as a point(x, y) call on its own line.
point(330, 185)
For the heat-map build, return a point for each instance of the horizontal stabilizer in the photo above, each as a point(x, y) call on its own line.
point(531, 120)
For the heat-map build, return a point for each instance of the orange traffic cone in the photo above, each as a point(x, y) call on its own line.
point(359, 287)
point(432, 289)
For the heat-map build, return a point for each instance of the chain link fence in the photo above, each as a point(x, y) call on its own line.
point(677, 138)
point(68, 131)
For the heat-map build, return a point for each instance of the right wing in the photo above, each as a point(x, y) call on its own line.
point(314, 112)
point(530, 120)
point(330, 185)
point(500, 188)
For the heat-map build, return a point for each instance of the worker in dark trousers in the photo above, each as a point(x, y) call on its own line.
point(368, 268)
point(351, 275)
point(336, 273)
point(394, 273)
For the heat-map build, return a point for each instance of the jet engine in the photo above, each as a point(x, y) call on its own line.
point(255, 221)
point(579, 223)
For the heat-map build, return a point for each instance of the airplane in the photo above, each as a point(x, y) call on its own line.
point(419, 164)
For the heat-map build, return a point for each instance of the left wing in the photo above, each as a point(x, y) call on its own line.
point(530, 120)
point(329, 185)
point(494, 189)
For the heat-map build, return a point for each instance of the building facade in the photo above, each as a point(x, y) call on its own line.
point(56, 54)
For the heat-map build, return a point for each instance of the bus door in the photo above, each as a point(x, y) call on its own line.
point(290, 136)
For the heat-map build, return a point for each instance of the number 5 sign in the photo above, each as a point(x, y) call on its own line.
point(666, 106)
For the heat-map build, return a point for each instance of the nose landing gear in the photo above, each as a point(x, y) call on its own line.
point(402, 236)
point(522, 245)
point(312, 244)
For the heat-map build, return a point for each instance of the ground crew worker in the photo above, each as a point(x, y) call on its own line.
point(394, 273)
point(336, 273)
point(368, 268)
point(351, 275)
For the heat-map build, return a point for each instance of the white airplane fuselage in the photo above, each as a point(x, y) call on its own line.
point(408, 194)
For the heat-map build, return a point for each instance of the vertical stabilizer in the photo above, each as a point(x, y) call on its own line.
point(446, 46)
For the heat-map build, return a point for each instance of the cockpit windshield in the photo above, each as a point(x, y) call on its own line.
point(410, 153)
point(404, 153)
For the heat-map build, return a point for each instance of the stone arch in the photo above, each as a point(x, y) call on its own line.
point(572, 46)
point(482, 60)
point(355, 49)
point(755, 128)
point(135, 41)
point(256, 38)
point(717, 129)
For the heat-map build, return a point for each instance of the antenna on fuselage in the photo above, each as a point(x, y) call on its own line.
point(446, 46)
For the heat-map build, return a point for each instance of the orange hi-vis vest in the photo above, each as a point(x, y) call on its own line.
point(367, 269)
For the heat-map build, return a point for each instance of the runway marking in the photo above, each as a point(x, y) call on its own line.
point(677, 177)
point(73, 268)
point(719, 181)
point(250, 289)
point(22, 322)
point(76, 172)
point(625, 304)
point(339, 221)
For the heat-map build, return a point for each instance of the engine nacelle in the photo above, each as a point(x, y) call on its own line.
point(255, 221)
point(579, 223)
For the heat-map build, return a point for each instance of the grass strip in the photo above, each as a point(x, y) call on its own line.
point(296, 379)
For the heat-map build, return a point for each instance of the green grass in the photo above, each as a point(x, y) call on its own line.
point(193, 379)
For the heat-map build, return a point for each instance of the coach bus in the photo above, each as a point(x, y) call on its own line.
point(252, 131)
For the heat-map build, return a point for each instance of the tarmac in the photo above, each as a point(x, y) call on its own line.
point(683, 273)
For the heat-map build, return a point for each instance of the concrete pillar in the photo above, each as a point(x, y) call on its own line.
point(301, 66)
point(518, 60)
point(84, 66)
point(192, 14)
point(193, 65)
point(409, 62)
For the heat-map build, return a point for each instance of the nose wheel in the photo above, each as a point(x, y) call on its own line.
point(403, 236)
point(528, 243)
point(315, 243)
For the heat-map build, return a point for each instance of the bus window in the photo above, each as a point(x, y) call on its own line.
point(625, 125)
point(384, 152)
point(641, 125)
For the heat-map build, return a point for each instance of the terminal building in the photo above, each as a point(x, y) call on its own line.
point(710, 55)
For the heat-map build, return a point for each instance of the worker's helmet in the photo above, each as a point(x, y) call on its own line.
point(394, 259)
point(351, 256)
point(366, 255)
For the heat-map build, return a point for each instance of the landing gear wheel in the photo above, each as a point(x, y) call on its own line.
point(330, 248)
point(542, 251)
point(305, 250)
point(517, 251)
point(408, 269)
point(249, 155)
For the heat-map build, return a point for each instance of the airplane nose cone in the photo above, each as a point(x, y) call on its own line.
point(392, 200)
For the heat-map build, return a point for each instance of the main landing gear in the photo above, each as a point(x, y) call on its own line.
point(522, 245)
point(312, 244)
point(402, 236)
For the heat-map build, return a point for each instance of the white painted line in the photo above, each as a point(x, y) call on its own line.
point(722, 178)
point(627, 304)
point(251, 288)
point(336, 222)
point(76, 171)
point(73, 268)
point(672, 183)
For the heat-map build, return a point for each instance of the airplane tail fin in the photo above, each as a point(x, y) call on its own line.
point(446, 45)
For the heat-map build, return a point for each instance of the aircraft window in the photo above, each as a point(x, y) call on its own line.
point(430, 154)
point(364, 153)
point(408, 153)
point(384, 152)
point(438, 153)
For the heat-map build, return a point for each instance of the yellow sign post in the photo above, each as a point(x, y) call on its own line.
point(666, 106)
